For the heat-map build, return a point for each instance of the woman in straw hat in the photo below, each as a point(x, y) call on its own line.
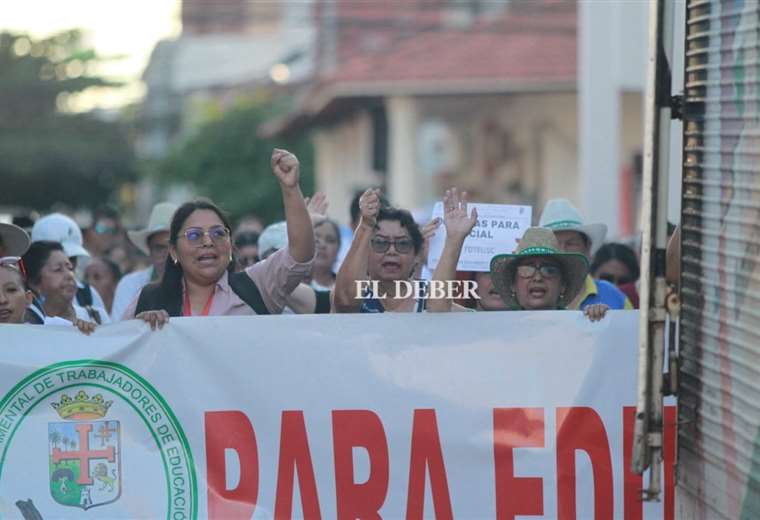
point(538, 276)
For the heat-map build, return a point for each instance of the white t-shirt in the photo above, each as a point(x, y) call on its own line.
point(57, 321)
point(127, 290)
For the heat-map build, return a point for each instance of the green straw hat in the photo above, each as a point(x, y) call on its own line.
point(539, 242)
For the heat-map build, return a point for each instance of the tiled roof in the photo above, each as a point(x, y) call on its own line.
point(528, 45)
point(380, 51)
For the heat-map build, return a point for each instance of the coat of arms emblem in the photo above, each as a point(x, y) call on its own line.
point(84, 452)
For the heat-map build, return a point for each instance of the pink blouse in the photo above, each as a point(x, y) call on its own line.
point(276, 277)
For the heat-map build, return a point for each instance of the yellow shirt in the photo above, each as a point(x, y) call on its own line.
point(600, 292)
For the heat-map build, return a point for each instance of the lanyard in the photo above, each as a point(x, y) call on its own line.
point(188, 311)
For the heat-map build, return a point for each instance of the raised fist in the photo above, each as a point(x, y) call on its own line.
point(285, 167)
point(369, 205)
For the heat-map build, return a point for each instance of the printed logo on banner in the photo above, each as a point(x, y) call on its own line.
point(77, 412)
point(85, 467)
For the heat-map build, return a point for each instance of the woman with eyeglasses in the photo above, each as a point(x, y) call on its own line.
point(538, 276)
point(199, 276)
point(384, 250)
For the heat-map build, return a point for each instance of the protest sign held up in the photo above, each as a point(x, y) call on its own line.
point(498, 229)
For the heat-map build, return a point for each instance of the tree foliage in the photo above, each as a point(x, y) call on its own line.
point(49, 155)
point(225, 161)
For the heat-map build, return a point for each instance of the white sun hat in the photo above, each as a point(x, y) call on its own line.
point(273, 238)
point(561, 215)
point(160, 219)
point(57, 227)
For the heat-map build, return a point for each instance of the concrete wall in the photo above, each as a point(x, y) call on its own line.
point(343, 159)
point(510, 148)
point(612, 52)
point(514, 148)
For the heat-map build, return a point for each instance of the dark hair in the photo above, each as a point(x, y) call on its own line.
point(37, 256)
point(170, 285)
point(332, 223)
point(246, 238)
point(105, 211)
point(616, 251)
point(407, 222)
point(355, 211)
point(112, 266)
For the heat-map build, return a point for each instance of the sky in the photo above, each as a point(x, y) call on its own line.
point(128, 28)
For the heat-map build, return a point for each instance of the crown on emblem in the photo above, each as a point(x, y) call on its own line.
point(82, 406)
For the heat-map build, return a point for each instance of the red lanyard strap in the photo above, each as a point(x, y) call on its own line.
point(187, 310)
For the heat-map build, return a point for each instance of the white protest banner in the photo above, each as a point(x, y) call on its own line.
point(498, 230)
point(462, 415)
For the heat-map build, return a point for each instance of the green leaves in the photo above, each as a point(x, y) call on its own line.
point(226, 161)
point(49, 156)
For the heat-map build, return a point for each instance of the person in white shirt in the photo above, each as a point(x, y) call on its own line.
point(57, 227)
point(153, 240)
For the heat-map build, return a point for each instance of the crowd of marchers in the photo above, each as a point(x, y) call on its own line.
point(195, 263)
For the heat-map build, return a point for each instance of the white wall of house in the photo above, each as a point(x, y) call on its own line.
point(545, 128)
point(343, 162)
point(510, 148)
point(612, 54)
point(513, 148)
point(612, 68)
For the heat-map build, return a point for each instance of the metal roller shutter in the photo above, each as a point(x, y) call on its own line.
point(719, 383)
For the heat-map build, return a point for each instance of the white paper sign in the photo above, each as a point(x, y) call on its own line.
point(499, 228)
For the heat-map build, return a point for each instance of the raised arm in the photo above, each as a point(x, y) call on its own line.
point(428, 231)
point(354, 266)
point(458, 226)
point(285, 167)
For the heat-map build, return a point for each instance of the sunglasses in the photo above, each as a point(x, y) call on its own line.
point(382, 245)
point(195, 235)
point(247, 261)
point(546, 270)
point(102, 229)
point(13, 262)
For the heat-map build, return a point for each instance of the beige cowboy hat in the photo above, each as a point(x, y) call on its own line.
point(561, 215)
point(15, 240)
point(160, 220)
point(539, 242)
